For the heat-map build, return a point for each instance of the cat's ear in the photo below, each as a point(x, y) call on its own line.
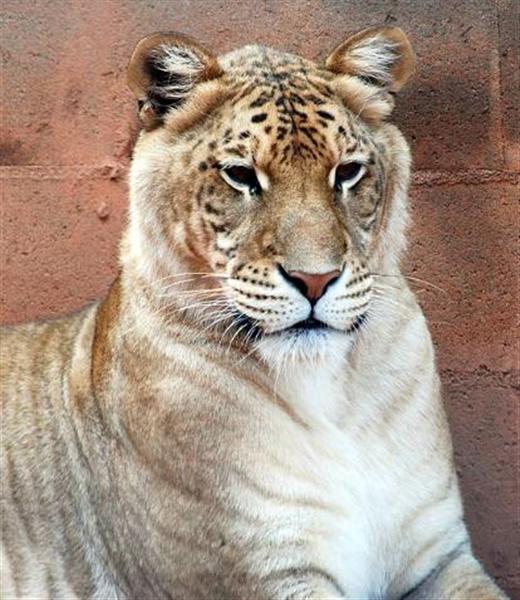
point(165, 68)
point(371, 66)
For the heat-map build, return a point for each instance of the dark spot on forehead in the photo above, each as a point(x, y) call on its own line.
point(305, 150)
point(261, 100)
point(296, 99)
point(281, 133)
point(310, 134)
point(325, 115)
point(203, 166)
point(268, 129)
point(244, 134)
point(259, 117)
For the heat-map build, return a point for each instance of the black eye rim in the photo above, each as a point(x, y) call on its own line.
point(346, 172)
point(243, 175)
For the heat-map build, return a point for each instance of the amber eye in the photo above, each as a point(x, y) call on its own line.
point(241, 178)
point(348, 174)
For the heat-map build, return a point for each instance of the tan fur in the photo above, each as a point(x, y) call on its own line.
point(181, 439)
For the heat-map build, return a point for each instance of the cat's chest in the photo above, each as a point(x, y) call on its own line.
point(355, 480)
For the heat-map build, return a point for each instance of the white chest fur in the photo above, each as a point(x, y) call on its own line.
point(356, 534)
point(362, 472)
point(358, 469)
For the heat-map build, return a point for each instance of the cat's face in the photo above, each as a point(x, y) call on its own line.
point(276, 174)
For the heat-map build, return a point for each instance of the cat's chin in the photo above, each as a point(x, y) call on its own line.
point(303, 344)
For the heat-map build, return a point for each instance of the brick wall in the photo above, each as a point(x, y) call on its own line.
point(68, 130)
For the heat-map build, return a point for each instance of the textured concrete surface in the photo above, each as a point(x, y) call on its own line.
point(68, 126)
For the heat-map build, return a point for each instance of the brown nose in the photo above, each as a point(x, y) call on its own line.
point(311, 285)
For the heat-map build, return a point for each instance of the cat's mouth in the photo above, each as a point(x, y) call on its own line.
point(306, 324)
point(254, 331)
point(311, 324)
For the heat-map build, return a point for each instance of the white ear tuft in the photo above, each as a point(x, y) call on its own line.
point(163, 71)
point(174, 73)
point(372, 65)
point(372, 60)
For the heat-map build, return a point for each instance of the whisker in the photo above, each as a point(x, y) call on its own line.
point(203, 304)
point(234, 336)
point(229, 327)
point(412, 278)
point(179, 283)
point(378, 294)
point(194, 293)
point(180, 278)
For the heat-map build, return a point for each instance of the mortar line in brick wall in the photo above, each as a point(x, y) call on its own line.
point(425, 177)
point(106, 171)
point(115, 171)
point(475, 377)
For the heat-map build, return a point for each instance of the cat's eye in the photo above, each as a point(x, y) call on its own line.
point(347, 175)
point(241, 178)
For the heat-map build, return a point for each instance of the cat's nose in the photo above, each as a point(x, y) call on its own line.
point(311, 285)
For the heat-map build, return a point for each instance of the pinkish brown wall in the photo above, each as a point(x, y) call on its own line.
point(68, 129)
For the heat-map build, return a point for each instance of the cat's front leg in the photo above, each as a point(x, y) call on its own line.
point(462, 578)
point(305, 586)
